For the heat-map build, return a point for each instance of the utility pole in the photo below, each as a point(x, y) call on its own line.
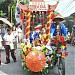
point(11, 14)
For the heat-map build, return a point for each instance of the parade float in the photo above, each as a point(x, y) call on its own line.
point(43, 58)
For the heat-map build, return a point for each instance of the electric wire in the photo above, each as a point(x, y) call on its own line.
point(68, 8)
point(67, 5)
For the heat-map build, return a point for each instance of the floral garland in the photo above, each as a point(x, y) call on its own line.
point(56, 43)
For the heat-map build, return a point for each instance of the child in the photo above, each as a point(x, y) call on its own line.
point(37, 41)
point(43, 36)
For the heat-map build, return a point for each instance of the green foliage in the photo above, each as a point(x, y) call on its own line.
point(24, 1)
point(46, 70)
point(4, 4)
point(2, 1)
point(25, 67)
point(13, 12)
point(2, 14)
point(73, 15)
point(69, 24)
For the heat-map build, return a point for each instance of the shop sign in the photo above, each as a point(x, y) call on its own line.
point(38, 6)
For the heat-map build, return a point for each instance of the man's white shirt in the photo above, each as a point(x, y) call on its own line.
point(0, 38)
point(9, 38)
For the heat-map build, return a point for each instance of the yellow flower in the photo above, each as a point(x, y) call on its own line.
point(22, 45)
point(23, 56)
point(63, 55)
point(29, 45)
point(63, 47)
point(33, 49)
point(46, 50)
point(51, 56)
point(24, 49)
point(43, 46)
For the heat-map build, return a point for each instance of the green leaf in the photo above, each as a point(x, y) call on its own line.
point(55, 13)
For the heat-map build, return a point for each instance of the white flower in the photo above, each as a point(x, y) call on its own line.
point(46, 65)
point(38, 48)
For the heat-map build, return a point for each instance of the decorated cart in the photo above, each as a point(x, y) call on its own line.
point(41, 58)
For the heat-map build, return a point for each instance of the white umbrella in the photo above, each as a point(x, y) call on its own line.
point(6, 21)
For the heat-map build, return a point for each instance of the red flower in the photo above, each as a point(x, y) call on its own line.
point(64, 43)
point(61, 38)
point(30, 49)
point(55, 41)
point(66, 53)
point(59, 51)
point(49, 62)
point(26, 52)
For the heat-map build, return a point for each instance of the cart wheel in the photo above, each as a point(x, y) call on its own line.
point(61, 66)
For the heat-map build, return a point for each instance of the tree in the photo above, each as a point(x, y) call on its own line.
point(7, 8)
point(6, 11)
point(69, 24)
point(73, 15)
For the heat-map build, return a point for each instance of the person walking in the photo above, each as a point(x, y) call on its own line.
point(9, 45)
point(0, 42)
point(15, 33)
point(0, 48)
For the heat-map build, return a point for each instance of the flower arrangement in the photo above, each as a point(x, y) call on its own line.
point(61, 46)
point(27, 49)
point(23, 53)
point(32, 56)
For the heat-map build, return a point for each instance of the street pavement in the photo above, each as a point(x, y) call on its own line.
point(15, 68)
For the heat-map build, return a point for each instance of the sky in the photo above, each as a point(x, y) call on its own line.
point(65, 7)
